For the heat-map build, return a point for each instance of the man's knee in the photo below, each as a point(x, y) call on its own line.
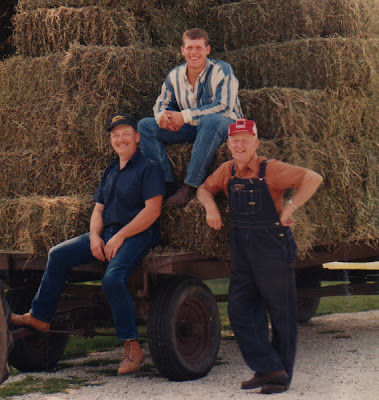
point(57, 253)
point(112, 282)
point(214, 119)
point(147, 126)
point(218, 124)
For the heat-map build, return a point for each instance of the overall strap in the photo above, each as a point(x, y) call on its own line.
point(233, 171)
point(262, 169)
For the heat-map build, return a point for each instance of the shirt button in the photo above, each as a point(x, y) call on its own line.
point(281, 234)
point(277, 223)
point(251, 191)
point(251, 203)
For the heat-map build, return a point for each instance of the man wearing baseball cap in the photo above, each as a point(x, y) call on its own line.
point(263, 253)
point(123, 228)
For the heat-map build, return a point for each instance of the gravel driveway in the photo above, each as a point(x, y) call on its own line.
point(337, 359)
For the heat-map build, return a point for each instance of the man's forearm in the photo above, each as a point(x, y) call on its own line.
point(308, 187)
point(213, 216)
point(96, 223)
point(206, 198)
point(143, 220)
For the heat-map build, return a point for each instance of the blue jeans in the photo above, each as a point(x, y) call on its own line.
point(207, 138)
point(74, 252)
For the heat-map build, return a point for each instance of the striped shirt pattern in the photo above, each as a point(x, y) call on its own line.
point(215, 92)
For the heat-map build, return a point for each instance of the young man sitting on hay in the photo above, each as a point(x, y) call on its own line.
point(123, 228)
point(263, 253)
point(198, 101)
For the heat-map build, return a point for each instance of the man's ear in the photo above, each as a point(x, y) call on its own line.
point(256, 144)
point(208, 50)
point(228, 143)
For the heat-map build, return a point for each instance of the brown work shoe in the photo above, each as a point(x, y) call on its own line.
point(133, 357)
point(271, 388)
point(259, 380)
point(28, 320)
point(182, 196)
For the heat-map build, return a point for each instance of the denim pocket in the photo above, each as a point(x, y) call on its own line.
point(246, 202)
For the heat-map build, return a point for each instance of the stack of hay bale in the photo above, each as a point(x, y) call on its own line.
point(307, 77)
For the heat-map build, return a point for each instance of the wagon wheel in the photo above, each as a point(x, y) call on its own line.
point(38, 351)
point(184, 329)
point(307, 306)
point(5, 339)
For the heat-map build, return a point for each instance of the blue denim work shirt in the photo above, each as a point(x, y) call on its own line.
point(124, 192)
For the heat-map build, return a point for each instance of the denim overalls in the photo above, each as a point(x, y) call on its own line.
point(262, 277)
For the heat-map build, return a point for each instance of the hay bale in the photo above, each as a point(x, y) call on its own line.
point(277, 21)
point(102, 80)
point(32, 80)
point(35, 224)
point(303, 64)
point(63, 100)
point(369, 15)
point(129, 4)
point(50, 173)
point(24, 5)
point(42, 31)
point(281, 112)
point(31, 92)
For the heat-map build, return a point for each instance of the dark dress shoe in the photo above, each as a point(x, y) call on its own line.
point(259, 379)
point(182, 196)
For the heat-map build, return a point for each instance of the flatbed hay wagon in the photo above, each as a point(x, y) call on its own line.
point(171, 297)
point(308, 76)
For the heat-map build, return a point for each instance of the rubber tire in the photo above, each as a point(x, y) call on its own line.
point(307, 307)
point(184, 329)
point(39, 351)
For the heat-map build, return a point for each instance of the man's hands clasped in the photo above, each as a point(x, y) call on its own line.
point(171, 120)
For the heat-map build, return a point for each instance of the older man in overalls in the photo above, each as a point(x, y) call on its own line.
point(263, 253)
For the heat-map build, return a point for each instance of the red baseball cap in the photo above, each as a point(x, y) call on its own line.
point(243, 125)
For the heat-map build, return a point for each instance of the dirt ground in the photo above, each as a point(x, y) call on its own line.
point(338, 358)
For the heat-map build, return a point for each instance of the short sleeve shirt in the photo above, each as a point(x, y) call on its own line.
point(124, 192)
point(279, 177)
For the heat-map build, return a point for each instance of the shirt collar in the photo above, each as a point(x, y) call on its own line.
point(204, 71)
point(202, 74)
point(253, 165)
point(135, 157)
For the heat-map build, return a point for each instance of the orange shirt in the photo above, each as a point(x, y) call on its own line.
point(279, 177)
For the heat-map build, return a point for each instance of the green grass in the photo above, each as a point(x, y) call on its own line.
point(347, 304)
point(32, 384)
point(79, 346)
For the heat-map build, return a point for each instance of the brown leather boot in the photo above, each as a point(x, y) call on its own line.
point(133, 357)
point(259, 379)
point(182, 196)
point(28, 320)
